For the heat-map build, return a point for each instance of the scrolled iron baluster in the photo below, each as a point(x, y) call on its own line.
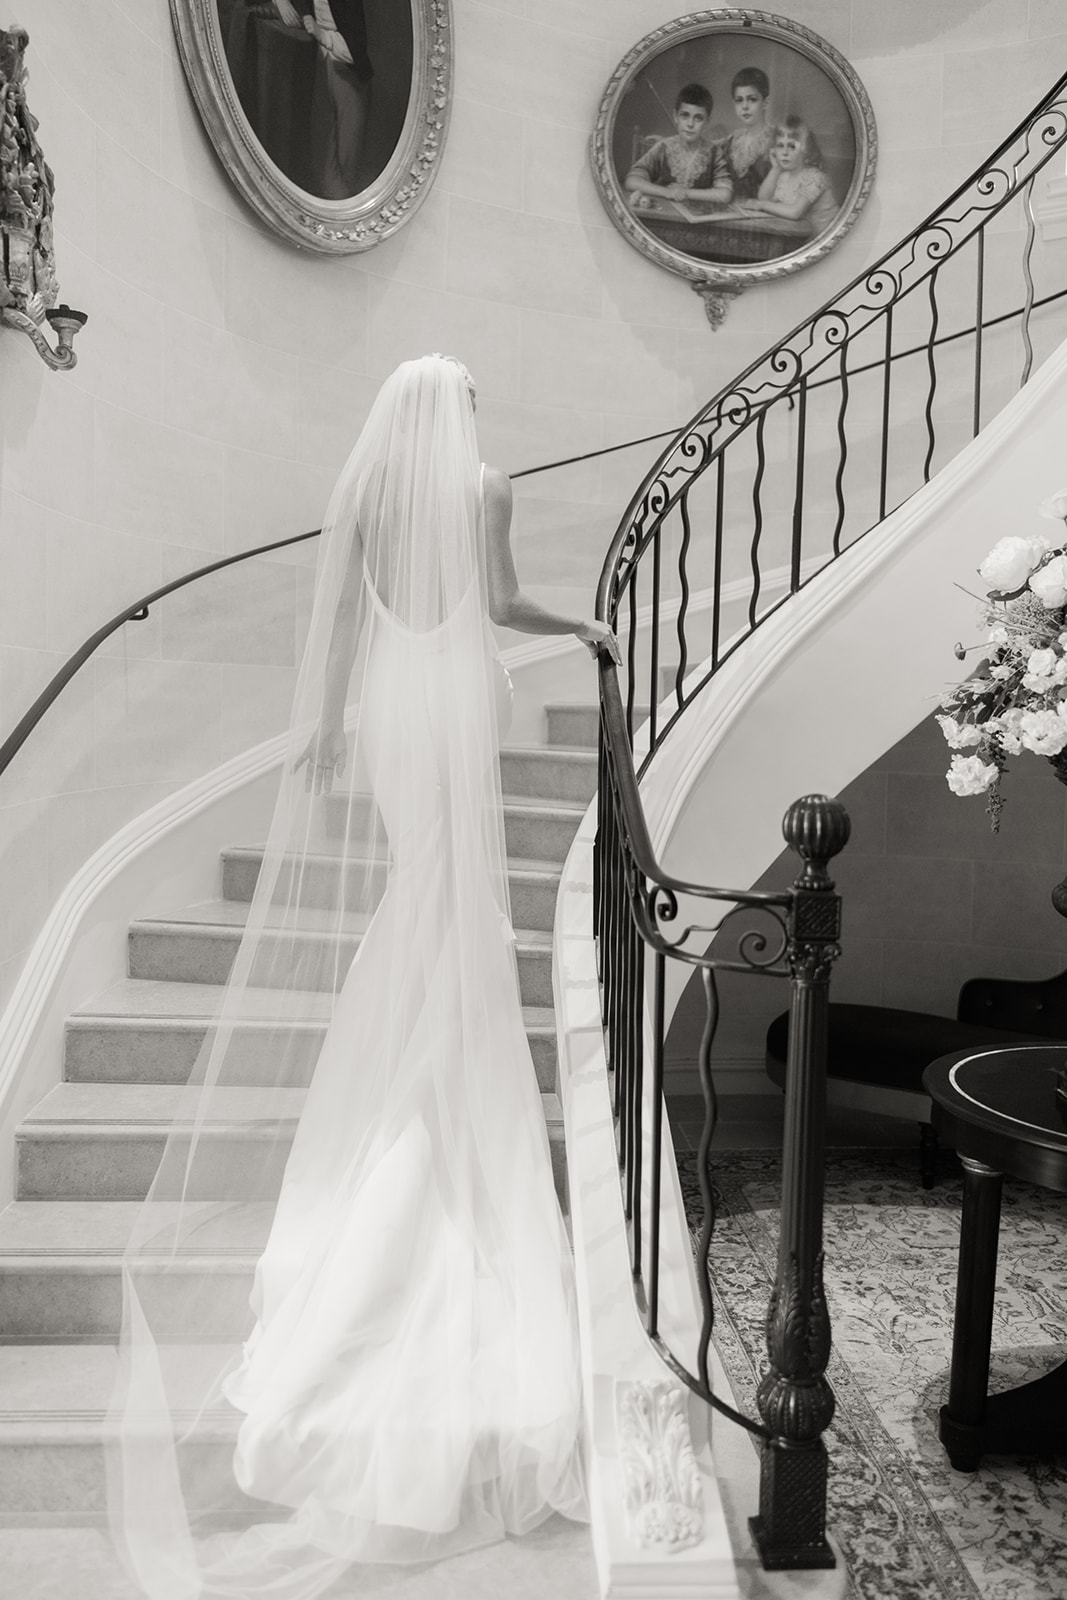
point(842, 454)
point(656, 1146)
point(798, 493)
point(1024, 325)
point(794, 1399)
point(631, 660)
point(716, 596)
point(683, 603)
point(932, 368)
point(883, 476)
point(653, 669)
point(707, 1195)
point(757, 508)
point(979, 291)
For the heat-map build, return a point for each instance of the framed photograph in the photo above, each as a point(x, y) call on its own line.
point(734, 146)
point(328, 115)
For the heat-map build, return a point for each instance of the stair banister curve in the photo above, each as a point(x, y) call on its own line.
point(695, 505)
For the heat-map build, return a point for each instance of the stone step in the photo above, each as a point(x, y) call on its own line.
point(532, 885)
point(572, 726)
point(150, 1031)
point(103, 1141)
point(199, 943)
point(534, 830)
point(61, 1270)
point(53, 1407)
point(538, 772)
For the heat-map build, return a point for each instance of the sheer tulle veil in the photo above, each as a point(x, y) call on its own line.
point(348, 1321)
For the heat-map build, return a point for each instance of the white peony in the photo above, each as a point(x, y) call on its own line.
point(959, 735)
point(1009, 564)
point(1042, 663)
point(1055, 506)
point(972, 775)
point(1006, 727)
point(1043, 732)
point(1050, 582)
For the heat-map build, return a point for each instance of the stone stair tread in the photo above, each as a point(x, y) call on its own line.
point(66, 1388)
point(140, 1000)
point(231, 915)
point(153, 1104)
point(517, 866)
point(144, 1104)
point(99, 1230)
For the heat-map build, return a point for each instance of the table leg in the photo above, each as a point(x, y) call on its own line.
point(961, 1420)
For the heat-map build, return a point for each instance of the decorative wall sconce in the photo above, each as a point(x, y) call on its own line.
point(28, 286)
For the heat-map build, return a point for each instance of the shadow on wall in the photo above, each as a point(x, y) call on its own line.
point(931, 897)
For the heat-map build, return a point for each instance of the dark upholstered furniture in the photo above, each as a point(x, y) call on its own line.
point(878, 1055)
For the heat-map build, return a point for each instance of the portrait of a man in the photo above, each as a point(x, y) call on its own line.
point(324, 85)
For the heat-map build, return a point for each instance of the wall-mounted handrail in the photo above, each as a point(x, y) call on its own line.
point(136, 612)
point(763, 456)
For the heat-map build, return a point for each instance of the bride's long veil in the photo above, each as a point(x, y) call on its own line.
point(363, 1119)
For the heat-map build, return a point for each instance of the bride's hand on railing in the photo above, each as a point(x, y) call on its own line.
point(597, 636)
point(325, 753)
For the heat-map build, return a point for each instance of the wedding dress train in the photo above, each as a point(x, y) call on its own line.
point(410, 1385)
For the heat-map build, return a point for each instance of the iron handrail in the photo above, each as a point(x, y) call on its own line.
point(136, 612)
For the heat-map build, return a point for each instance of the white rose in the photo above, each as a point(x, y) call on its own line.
point(972, 775)
point(1049, 583)
point(1008, 564)
point(1055, 506)
point(959, 735)
point(1043, 732)
point(1041, 663)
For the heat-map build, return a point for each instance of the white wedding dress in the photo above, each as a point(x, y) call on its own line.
point(408, 1382)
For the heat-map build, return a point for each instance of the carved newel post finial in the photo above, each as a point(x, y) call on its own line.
point(794, 1399)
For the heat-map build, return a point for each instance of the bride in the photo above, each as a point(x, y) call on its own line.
point(403, 1383)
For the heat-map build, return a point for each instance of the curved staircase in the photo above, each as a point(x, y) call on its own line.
point(87, 1152)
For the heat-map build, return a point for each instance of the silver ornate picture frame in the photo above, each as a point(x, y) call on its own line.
point(733, 147)
point(331, 133)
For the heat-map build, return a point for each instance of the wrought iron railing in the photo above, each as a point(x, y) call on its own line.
point(771, 482)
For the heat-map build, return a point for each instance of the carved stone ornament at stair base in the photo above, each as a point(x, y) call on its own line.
point(28, 286)
point(664, 1499)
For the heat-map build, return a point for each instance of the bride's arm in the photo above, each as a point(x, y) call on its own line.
point(508, 606)
point(327, 749)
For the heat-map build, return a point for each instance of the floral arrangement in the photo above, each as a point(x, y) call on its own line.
point(1017, 700)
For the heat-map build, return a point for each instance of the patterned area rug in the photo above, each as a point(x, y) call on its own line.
point(910, 1526)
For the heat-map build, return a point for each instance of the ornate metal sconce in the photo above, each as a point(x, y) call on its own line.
point(28, 286)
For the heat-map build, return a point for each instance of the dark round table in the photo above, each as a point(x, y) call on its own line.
point(1000, 1110)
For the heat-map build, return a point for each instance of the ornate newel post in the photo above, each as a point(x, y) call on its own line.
point(794, 1399)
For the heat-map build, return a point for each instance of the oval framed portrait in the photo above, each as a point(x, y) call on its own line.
point(733, 147)
point(328, 115)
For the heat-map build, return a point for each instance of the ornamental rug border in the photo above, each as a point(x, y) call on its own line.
point(910, 1527)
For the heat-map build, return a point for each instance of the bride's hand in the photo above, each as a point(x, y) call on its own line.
point(597, 636)
point(325, 753)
